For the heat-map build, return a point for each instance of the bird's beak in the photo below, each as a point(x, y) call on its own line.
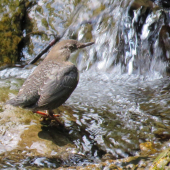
point(82, 45)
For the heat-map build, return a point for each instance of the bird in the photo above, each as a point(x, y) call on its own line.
point(52, 82)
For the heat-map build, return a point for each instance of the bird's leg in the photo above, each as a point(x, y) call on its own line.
point(41, 113)
point(49, 115)
point(45, 114)
point(54, 117)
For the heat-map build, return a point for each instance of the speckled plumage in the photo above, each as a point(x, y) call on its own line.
point(53, 81)
point(48, 88)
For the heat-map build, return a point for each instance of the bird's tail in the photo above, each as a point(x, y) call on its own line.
point(13, 102)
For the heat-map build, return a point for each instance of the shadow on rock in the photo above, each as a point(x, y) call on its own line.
point(56, 134)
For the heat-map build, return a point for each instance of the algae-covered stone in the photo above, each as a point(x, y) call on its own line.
point(11, 30)
point(147, 148)
point(162, 161)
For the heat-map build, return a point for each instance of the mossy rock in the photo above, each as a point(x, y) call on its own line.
point(11, 30)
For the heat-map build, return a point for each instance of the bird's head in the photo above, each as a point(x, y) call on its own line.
point(64, 48)
point(73, 45)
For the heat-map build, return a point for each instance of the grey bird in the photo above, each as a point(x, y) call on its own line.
point(52, 82)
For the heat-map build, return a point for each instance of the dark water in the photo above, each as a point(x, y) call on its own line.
point(122, 99)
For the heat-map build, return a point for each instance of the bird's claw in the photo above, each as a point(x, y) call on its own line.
point(47, 118)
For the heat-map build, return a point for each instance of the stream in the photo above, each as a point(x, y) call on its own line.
point(121, 103)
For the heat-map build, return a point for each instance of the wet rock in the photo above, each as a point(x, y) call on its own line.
point(147, 148)
point(13, 122)
point(162, 161)
point(162, 133)
point(22, 136)
point(127, 163)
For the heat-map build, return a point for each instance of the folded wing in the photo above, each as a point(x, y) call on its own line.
point(58, 86)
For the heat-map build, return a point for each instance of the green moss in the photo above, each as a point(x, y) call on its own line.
point(39, 9)
point(98, 10)
point(162, 161)
point(25, 116)
point(51, 10)
point(4, 94)
point(11, 30)
point(1, 109)
point(44, 22)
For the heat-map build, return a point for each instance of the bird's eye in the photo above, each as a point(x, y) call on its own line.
point(72, 47)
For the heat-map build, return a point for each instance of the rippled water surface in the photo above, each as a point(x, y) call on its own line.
point(120, 112)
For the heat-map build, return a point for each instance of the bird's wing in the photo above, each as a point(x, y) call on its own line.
point(60, 84)
point(28, 94)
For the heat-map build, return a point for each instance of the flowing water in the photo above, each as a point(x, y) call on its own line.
point(122, 99)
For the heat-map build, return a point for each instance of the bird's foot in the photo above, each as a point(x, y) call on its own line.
point(48, 118)
point(46, 115)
